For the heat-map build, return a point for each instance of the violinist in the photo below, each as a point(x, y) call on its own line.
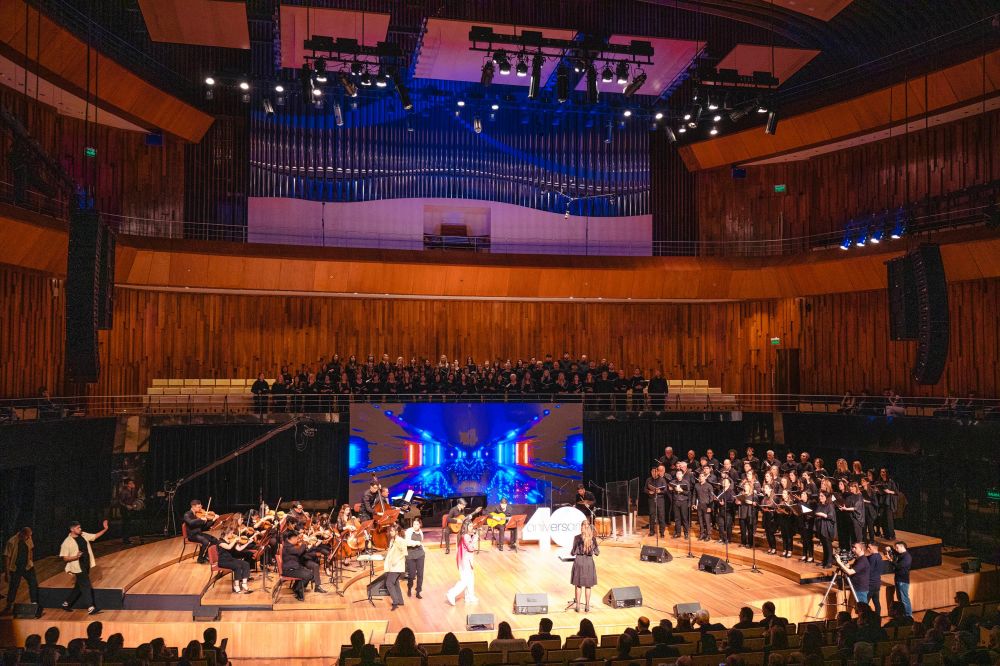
point(297, 517)
point(292, 551)
point(230, 547)
point(199, 522)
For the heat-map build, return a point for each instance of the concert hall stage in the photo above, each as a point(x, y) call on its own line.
point(157, 593)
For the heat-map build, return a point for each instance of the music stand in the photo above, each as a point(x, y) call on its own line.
point(516, 522)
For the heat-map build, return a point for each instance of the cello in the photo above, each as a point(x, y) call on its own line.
point(383, 516)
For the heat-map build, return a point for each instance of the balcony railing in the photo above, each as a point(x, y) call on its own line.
point(244, 405)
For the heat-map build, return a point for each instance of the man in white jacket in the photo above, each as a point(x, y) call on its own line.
point(79, 558)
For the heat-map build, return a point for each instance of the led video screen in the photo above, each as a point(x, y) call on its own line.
point(521, 451)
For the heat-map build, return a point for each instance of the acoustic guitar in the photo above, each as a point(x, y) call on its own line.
point(496, 519)
point(456, 526)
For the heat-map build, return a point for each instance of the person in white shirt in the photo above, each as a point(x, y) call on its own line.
point(79, 558)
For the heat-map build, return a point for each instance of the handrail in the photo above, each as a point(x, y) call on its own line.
point(243, 403)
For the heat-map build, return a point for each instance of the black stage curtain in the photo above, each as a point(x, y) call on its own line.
point(289, 466)
point(52, 472)
point(621, 450)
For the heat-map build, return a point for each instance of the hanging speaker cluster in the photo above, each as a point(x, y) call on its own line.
point(918, 309)
point(90, 273)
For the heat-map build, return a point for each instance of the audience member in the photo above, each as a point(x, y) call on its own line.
point(769, 617)
point(94, 631)
point(671, 637)
point(544, 632)
point(661, 647)
point(505, 641)
point(642, 625)
point(734, 642)
point(746, 619)
point(52, 641)
point(537, 651)
point(812, 641)
point(624, 650)
point(704, 623)
point(406, 645)
point(32, 653)
point(586, 629)
point(588, 650)
point(450, 644)
point(898, 616)
point(115, 649)
point(864, 653)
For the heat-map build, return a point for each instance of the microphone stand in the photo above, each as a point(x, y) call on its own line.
point(690, 526)
point(753, 543)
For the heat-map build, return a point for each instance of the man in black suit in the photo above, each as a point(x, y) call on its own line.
point(662, 648)
point(769, 617)
point(503, 508)
point(544, 632)
point(197, 530)
point(453, 519)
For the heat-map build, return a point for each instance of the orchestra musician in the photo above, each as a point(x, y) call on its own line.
point(369, 501)
point(292, 552)
point(199, 522)
point(415, 557)
point(656, 488)
point(129, 504)
point(584, 500)
point(680, 489)
point(229, 548)
point(453, 518)
point(703, 494)
point(498, 515)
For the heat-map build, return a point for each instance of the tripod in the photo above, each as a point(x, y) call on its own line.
point(839, 576)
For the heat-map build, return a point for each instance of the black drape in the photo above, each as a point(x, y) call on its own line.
point(289, 466)
point(52, 472)
point(620, 450)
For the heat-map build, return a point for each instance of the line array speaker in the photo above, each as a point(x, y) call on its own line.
point(932, 313)
point(904, 323)
point(83, 296)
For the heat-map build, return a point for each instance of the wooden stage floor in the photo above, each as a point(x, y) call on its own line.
point(158, 597)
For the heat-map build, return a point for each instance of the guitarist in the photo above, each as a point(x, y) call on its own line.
point(455, 517)
point(585, 501)
point(497, 516)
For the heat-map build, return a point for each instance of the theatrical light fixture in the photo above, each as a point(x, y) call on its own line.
point(761, 107)
point(607, 75)
point(502, 62)
point(637, 83)
point(381, 80)
point(621, 73)
point(246, 98)
point(366, 79)
point(627, 113)
point(771, 126)
point(349, 86)
point(357, 68)
point(712, 106)
point(536, 75)
point(317, 92)
point(862, 235)
point(279, 88)
point(900, 223)
point(716, 118)
point(461, 102)
point(659, 115)
point(209, 81)
point(671, 137)
point(244, 85)
point(682, 129)
point(608, 134)
point(268, 107)
point(338, 114)
point(209, 93)
point(713, 131)
point(477, 125)
point(495, 106)
point(592, 94)
point(562, 84)
point(687, 116)
point(487, 76)
point(321, 71)
point(522, 68)
point(403, 93)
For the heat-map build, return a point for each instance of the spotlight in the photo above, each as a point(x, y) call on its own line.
point(687, 116)
point(246, 98)
point(357, 69)
point(381, 81)
point(627, 113)
point(502, 62)
point(487, 76)
point(321, 71)
point(637, 83)
point(209, 81)
point(279, 88)
point(712, 106)
point(607, 75)
point(279, 97)
point(716, 118)
point(713, 131)
point(580, 66)
point(536, 75)
point(562, 84)
point(671, 137)
point(522, 68)
point(244, 85)
point(209, 94)
point(761, 107)
point(900, 223)
point(403, 93)
point(862, 237)
point(771, 127)
point(461, 102)
point(338, 114)
point(682, 129)
point(268, 107)
point(846, 243)
point(592, 94)
point(621, 73)
point(659, 115)
point(477, 125)
point(495, 106)
point(349, 86)
point(366, 79)
point(317, 92)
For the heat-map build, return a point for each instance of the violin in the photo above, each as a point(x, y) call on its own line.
point(206, 513)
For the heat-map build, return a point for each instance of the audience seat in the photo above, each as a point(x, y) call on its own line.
point(404, 661)
point(442, 660)
point(484, 658)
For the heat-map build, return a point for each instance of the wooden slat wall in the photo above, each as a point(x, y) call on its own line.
point(828, 190)
point(32, 319)
point(132, 178)
point(843, 338)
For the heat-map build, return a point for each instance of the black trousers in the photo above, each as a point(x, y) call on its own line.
point(15, 582)
point(704, 523)
point(857, 532)
point(726, 524)
point(808, 548)
point(787, 524)
point(303, 574)
point(827, 542)
point(239, 567)
point(657, 516)
point(81, 587)
point(770, 529)
point(128, 519)
point(501, 530)
point(886, 521)
point(874, 594)
point(682, 518)
point(205, 540)
point(415, 573)
point(392, 584)
point(871, 517)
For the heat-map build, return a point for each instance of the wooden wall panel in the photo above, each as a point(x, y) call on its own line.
point(843, 338)
point(32, 322)
point(130, 177)
point(828, 190)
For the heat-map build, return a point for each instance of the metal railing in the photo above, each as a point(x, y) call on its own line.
point(247, 405)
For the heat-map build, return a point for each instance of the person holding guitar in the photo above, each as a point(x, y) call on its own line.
point(456, 516)
point(496, 518)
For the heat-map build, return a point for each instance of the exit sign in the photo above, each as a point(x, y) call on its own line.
point(90, 151)
point(775, 342)
point(993, 494)
point(780, 189)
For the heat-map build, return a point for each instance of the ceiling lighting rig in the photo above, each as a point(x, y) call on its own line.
point(589, 56)
point(350, 64)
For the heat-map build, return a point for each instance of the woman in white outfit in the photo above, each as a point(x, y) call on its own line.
point(467, 544)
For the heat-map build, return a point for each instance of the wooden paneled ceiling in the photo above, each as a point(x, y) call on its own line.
point(221, 23)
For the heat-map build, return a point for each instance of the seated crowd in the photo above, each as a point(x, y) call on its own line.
point(315, 387)
point(95, 649)
point(953, 638)
point(965, 410)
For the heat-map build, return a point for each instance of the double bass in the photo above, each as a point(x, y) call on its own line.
point(383, 516)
